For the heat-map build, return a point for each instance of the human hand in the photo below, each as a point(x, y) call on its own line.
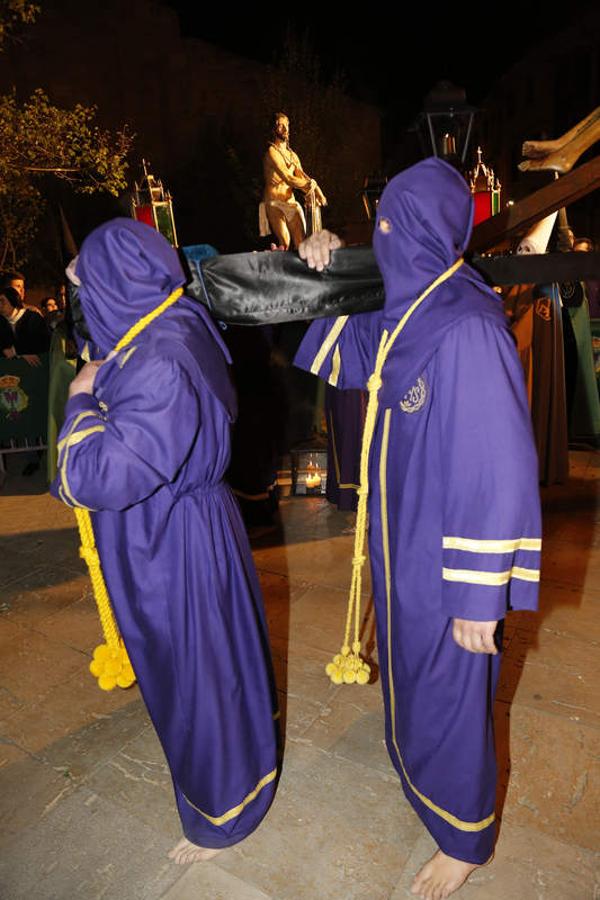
point(31, 359)
point(9, 352)
point(316, 249)
point(476, 637)
point(83, 383)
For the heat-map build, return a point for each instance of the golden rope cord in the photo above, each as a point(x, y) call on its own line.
point(347, 666)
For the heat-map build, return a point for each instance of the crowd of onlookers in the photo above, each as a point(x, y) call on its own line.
point(26, 330)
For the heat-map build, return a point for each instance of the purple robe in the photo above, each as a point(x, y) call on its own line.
point(345, 417)
point(147, 452)
point(453, 499)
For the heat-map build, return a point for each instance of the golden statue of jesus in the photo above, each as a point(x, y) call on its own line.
point(280, 213)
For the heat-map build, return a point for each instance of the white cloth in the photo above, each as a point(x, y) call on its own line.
point(289, 208)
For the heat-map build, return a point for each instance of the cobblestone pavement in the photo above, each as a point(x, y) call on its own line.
point(85, 799)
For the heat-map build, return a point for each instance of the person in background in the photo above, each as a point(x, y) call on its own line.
point(15, 280)
point(28, 332)
point(450, 473)
point(51, 312)
point(584, 404)
point(144, 445)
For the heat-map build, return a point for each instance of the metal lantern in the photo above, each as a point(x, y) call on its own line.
point(445, 124)
point(153, 205)
point(485, 188)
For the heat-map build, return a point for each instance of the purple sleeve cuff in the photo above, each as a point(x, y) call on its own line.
point(81, 403)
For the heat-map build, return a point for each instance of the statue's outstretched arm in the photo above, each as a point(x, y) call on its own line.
point(560, 155)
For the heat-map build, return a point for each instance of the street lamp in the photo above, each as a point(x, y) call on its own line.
point(445, 124)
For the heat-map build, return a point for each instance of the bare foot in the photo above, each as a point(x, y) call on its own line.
point(185, 852)
point(441, 876)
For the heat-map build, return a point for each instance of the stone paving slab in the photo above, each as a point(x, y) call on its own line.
point(137, 777)
point(209, 882)
point(341, 828)
point(86, 847)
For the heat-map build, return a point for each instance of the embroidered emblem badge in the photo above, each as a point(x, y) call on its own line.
point(415, 398)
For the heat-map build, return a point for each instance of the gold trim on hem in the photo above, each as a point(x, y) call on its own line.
point(236, 810)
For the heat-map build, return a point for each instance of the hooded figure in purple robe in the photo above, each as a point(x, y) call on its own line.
point(454, 513)
point(146, 449)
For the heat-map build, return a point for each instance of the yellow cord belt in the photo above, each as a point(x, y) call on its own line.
point(347, 666)
point(111, 665)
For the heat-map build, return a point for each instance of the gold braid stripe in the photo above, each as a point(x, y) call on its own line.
point(232, 813)
point(469, 545)
point(328, 344)
point(475, 576)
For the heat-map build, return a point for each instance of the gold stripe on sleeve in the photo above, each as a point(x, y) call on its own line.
point(328, 344)
point(473, 546)
point(78, 436)
point(335, 366)
point(78, 419)
point(494, 579)
point(66, 445)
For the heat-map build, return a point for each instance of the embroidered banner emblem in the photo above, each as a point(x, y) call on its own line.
point(415, 398)
point(13, 399)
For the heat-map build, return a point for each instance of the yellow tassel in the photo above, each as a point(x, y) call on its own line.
point(110, 663)
point(348, 666)
point(111, 666)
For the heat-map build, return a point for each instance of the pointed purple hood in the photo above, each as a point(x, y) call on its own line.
point(424, 222)
point(429, 209)
point(126, 269)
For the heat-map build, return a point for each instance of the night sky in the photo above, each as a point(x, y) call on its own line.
point(390, 59)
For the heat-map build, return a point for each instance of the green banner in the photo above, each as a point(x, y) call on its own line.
point(23, 400)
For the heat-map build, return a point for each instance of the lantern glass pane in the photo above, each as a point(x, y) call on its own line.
point(311, 473)
point(164, 220)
